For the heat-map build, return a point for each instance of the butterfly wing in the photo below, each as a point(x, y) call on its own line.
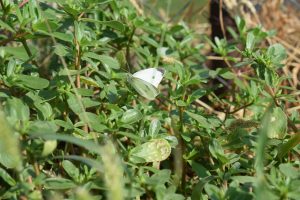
point(150, 75)
point(144, 88)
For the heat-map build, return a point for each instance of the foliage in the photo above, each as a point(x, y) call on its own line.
point(73, 127)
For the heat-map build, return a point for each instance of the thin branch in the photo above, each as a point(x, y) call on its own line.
point(77, 61)
point(27, 49)
point(221, 18)
point(2, 4)
point(23, 3)
point(180, 11)
point(240, 108)
point(15, 37)
point(128, 50)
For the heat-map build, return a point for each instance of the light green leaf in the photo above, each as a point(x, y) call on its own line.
point(104, 59)
point(10, 155)
point(73, 103)
point(277, 124)
point(6, 177)
point(71, 169)
point(250, 41)
point(17, 52)
point(131, 116)
point(203, 122)
point(93, 120)
point(45, 26)
point(289, 170)
point(49, 147)
point(15, 110)
point(155, 150)
point(60, 50)
point(154, 127)
point(59, 184)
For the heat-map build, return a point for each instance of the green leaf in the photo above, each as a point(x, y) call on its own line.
point(104, 59)
point(60, 50)
point(85, 92)
point(200, 170)
point(154, 128)
point(160, 177)
point(16, 110)
point(63, 36)
point(250, 42)
point(289, 170)
point(49, 147)
point(181, 103)
point(73, 103)
point(197, 190)
point(32, 82)
point(277, 53)
point(89, 145)
point(217, 151)
point(71, 170)
point(93, 120)
point(290, 144)
point(89, 81)
point(88, 102)
point(131, 116)
point(45, 26)
point(43, 127)
point(6, 26)
point(10, 155)
point(18, 52)
point(59, 184)
point(196, 95)
point(244, 179)
point(109, 61)
point(155, 150)
point(150, 41)
point(200, 119)
point(90, 162)
point(262, 189)
point(277, 124)
point(113, 24)
point(6, 177)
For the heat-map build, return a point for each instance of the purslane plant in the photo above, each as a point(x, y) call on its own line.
point(73, 126)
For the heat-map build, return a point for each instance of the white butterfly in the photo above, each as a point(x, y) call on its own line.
point(146, 81)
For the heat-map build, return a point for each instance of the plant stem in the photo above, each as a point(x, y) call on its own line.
point(160, 45)
point(10, 39)
point(4, 10)
point(2, 5)
point(221, 18)
point(77, 60)
point(128, 50)
point(27, 49)
point(182, 147)
point(23, 41)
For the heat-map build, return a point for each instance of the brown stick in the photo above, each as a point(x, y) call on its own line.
point(221, 19)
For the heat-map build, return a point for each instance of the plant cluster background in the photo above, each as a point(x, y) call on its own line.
point(225, 124)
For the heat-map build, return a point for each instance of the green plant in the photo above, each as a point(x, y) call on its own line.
point(73, 126)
